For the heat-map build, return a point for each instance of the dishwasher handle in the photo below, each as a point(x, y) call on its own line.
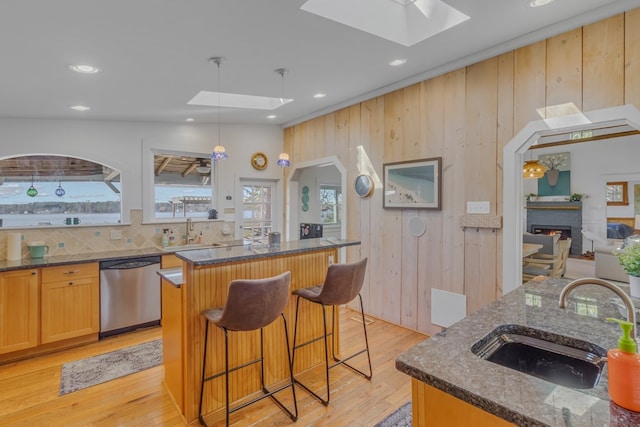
point(127, 264)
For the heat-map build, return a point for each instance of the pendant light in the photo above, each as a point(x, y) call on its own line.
point(60, 191)
point(31, 191)
point(533, 169)
point(283, 158)
point(218, 151)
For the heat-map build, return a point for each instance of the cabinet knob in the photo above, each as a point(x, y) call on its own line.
point(72, 272)
point(70, 283)
point(33, 273)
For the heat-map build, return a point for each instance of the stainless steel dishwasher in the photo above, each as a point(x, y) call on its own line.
point(129, 294)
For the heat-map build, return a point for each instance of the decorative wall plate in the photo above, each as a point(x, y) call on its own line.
point(259, 161)
point(363, 185)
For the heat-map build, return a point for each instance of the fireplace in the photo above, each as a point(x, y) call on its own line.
point(563, 231)
point(554, 217)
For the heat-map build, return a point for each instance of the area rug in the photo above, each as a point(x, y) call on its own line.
point(400, 418)
point(108, 366)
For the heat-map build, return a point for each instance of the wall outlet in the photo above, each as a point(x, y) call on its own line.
point(115, 234)
point(331, 260)
point(478, 208)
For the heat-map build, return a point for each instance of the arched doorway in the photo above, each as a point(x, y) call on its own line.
point(512, 174)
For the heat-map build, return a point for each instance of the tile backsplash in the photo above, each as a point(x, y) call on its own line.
point(71, 240)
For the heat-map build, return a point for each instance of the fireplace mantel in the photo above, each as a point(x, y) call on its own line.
point(555, 205)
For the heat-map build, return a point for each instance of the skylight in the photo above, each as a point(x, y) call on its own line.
point(405, 22)
point(236, 100)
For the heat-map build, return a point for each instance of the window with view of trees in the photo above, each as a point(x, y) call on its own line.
point(617, 194)
point(330, 204)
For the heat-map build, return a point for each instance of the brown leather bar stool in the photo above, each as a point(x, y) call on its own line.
point(342, 284)
point(251, 305)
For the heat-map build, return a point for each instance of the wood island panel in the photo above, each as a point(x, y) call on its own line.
point(433, 407)
point(205, 287)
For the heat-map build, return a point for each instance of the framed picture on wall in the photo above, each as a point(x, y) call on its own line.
point(413, 184)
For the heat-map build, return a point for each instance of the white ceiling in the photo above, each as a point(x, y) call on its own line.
point(154, 54)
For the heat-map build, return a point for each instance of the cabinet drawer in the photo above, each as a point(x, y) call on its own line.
point(71, 271)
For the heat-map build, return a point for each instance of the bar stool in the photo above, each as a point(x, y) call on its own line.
point(251, 305)
point(342, 284)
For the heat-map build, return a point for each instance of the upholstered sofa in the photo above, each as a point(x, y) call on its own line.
point(606, 263)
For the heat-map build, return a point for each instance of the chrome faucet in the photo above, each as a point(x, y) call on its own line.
point(631, 311)
point(189, 238)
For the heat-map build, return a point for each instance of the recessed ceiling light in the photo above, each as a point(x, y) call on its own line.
point(189, 119)
point(538, 3)
point(85, 69)
point(319, 95)
point(80, 108)
point(271, 116)
point(397, 62)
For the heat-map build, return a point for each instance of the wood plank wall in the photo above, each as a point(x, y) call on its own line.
point(466, 116)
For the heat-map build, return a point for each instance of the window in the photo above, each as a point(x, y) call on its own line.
point(182, 186)
point(257, 210)
point(54, 190)
point(330, 204)
point(617, 194)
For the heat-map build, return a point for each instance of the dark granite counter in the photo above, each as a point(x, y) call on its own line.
point(172, 275)
point(218, 255)
point(445, 361)
point(48, 261)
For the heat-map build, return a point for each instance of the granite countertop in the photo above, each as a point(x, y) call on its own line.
point(48, 261)
point(218, 255)
point(445, 361)
point(172, 275)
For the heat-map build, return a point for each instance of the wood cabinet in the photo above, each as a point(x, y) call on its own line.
point(433, 407)
point(70, 302)
point(19, 310)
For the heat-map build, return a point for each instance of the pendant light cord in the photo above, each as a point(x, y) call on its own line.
point(219, 133)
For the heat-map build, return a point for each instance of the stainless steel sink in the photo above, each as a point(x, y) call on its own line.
point(560, 360)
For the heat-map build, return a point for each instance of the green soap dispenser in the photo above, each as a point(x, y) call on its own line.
point(624, 369)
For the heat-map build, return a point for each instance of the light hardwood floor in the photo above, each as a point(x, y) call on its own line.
point(29, 389)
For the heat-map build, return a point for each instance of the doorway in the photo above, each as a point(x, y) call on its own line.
point(258, 209)
point(307, 184)
point(514, 156)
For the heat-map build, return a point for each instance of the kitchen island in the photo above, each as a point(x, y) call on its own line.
point(206, 274)
point(453, 386)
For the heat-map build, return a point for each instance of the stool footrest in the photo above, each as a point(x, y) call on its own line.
point(268, 393)
point(244, 365)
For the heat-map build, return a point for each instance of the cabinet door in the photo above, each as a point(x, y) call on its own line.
point(18, 310)
point(70, 309)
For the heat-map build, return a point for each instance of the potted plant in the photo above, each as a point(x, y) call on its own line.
point(629, 259)
point(575, 197)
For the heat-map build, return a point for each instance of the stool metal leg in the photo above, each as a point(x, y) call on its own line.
point(226, 371)
point(265, 390)
point(204, 365)
point(326, 349)
point(366, 349)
